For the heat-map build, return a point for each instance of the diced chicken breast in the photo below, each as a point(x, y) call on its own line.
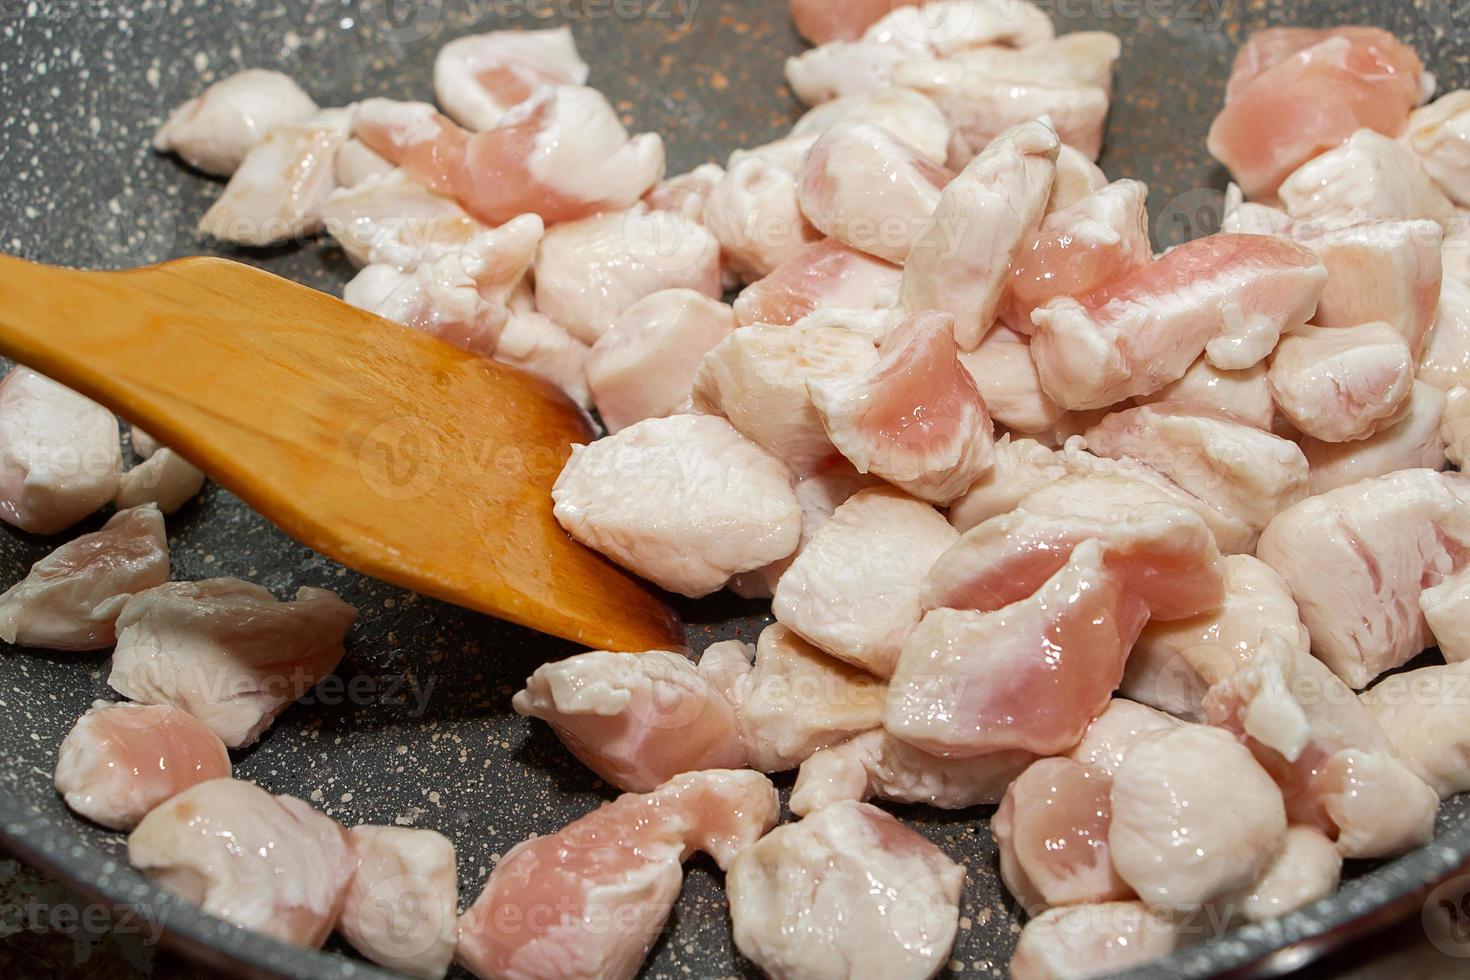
point(1358, 557)
point(539, 345)
point(1454, 426)
point(1307, 869)
point(1004, 372)
point(795, 700)
point(1228, 297)
point(637, 720)
point(166, 480)
point(686, 193)
point(1446, 608)
point(950, 26)
point(226, 651)
point(1243, 396)
point(1174, 664)
point(400, 908)
point(1295, 93)
point(846, 893)
point(1370, 176)
point(1029, 676)
point(1339, 384)
point(1439, 136)
point(1079, 941)
point(1446, 360)
point(961, 260)
point(1195, 818)
point(278, 192)
point(121, 760)
point(854, 589)
point(826, 274)
point(757, 378)
point(864, 186)
point(478, 78)
point(1423, 713)
point(270, 864)
point(754, 214)
point(1021, 467)
point(820, 21)
point(72, 597)
point(1114, 733)
point(693, 502)
point(394, 220)
point(357, 164)
point(1410, 440)
point(214, 130)
point(547, 911)
point(905, 113)
point(1077, 176)
point(877, 765)
point(846, 69)
point(589, 272)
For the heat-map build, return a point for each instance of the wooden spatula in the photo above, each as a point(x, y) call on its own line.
point(399, 455)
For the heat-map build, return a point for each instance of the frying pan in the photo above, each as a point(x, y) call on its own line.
point(416, 729)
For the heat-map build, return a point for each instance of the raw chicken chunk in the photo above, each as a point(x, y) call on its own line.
point(820, 21)
point(1357, 558)
point(1307, 869)
point(854, 590)
point(1077, 177)
point(757, 378)
point(1195, 818)
point(1244, 396)
point(1340, 384)
point(693, 502)
point(1455, 425)
point(1228, 297)
point(166, 480)
point(906, 114)
point(1410, 440)
point(121, 760)
point(1029, 676)
point(1021, 467)
point(754, 214)
point(1423, 713)
point(1295, 92)
point(226, 651)
point(214, 130)
point(826, 274)
point(60, 455)
point(590, 900)
point(1370, 176)
point(848, 893)
point(686, 193)
point(1114, 733)
point(278, 192)
point(392, 219)
point(539, 345)
point(846, 69)
point(1004, 372)
point(270, 864)
point(589, 272)
point(915, 418)
point(357, 164)
point(1439, 136)
point(72, 597)
point(862, 185)
point(478, 78)
point(1092, 940)
point(637, 720)
point(795, 700)
point(399, 910)
point(1446, 608)
point(961, 260)
point(875, 764)
point(1446, 360)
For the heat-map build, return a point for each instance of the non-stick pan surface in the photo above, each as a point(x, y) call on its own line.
point(419, 730)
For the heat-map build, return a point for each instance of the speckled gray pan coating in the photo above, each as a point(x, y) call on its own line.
point(82, 86)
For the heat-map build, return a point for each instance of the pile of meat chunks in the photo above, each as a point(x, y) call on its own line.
point(1109, 539)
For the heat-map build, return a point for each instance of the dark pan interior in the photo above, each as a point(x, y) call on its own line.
point(419, 731)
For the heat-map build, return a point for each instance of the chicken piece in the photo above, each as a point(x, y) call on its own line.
point(539, 345)
point(1455, 251)
point(226, 651)
point(686, 193)
point(846, 69)
point(1324, 749)
point(915, 417)
point(848, 893)
point(754, 214)
point(1369, 176)
point(1101, 238)
point(875, 764)
point(399, 910)
point(1446, 608)
point(121, 760)
point(1029, 676)
point(144, 445)
point(1454, 426)
point(961, 260)
point(1340, 384)
point(215, 130)
point(1423, 714)
point(1174, 664)
point(1003, 370)
point(481, 77)
point(392, 219)
point(1077, 177)
point(757, 378)
point(1229, 297)
point(694, 502)
point(60, 454)
point(1021, 467)
point(825, 274)
point(911, 117)
point(357, 164)
point(1295, 93)
point(1307, 869)
point(1243, 396)
point(166, 480)
point(278, 192)
point(1439, 137)
point(1112, 734)
point(795, 700)
point(644, 366)
point(547, 909)
point(72, 597)
point(1446, 360)
point(440, 298)
point(589, 272)
point(820, 21)
point(1410, 440)
point(1357, 558)
point(1077, 58)
point(1241, 471)
point(270, 864)
point(1078, 941)
point(1195, 818)
point(863, 186)
point(637, 720)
